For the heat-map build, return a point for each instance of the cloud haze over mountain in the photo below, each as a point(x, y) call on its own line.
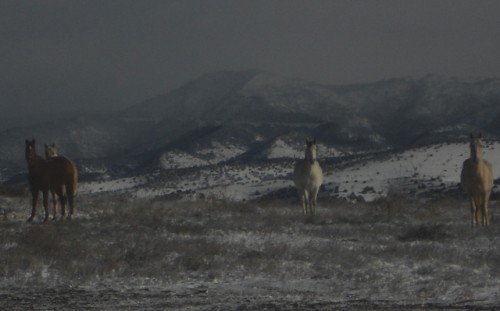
point(69, 57)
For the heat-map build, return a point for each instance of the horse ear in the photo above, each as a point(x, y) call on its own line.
point(471, 135)
point(480, 135)
point(314, 141)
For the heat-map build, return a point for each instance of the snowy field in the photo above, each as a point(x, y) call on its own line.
point(157, 254)
point(419, 172)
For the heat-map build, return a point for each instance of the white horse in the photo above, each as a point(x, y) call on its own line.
point(477, 181)
point(308, 178)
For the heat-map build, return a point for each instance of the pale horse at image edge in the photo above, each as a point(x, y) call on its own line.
point(308, 177)
point(477, 181)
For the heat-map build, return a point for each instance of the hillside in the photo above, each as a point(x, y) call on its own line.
point(255, 119)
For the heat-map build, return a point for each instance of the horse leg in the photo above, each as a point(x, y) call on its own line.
point(70, 195)
point(478, 210)
point(303, 199)
point(45, 194)
point(307, 206)
point(60, 194)
point(300, 192)
point(64, 202)
point(486, 208)
point(486, 216)
point(34, 199)
point(54, 203)
point(472, 211)
point(314, 201)
point(310, 207)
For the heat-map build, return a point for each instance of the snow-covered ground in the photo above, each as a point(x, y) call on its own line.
point(129, 246)
point(133, 254)
point(368, 177)
point(410, 171)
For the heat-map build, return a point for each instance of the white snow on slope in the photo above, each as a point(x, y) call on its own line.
point(218, 152)
point(178, 159)
point(121, 184)
point(440, 164)
point(411, 172)
point(282, 149)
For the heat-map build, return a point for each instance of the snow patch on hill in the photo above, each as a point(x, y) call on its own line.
point(178, 159)
point(113, 185)
point(282, 149)
point(413, 171)
point(217, 153)
point(418, 172)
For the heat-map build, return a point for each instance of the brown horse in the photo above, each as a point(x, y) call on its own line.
point(51, 152)
point(56, 174)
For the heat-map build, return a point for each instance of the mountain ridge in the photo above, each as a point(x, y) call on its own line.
point(252, 109)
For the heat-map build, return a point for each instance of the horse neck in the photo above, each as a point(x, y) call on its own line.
point(476, 153)
point(35, 163)
point(309, 158)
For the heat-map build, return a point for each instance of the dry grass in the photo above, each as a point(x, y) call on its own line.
point(385, 250)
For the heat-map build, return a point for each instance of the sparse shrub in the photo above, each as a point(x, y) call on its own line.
point(368, 189)
point(425, 232)
point(13, 191)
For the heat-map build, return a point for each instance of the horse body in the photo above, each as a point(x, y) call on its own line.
point(477, 181)
point(57, 175)
point(62, 177)
point(308, 177)
point(51, 152)
point(62, 180)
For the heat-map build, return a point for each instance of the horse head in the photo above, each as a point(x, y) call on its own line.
point(50, 151)
point(30, 150)
point(311, 151)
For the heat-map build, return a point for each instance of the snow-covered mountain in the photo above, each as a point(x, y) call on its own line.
point(251, 118)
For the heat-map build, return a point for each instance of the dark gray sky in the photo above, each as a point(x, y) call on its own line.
point(94, 56)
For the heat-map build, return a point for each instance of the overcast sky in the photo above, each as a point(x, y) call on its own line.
point(94, 56)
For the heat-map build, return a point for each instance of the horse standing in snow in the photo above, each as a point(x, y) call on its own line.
point(308, 178)
point(51, 152)
point(56, 174)
point(477, 181)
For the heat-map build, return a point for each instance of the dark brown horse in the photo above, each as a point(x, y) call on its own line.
point(56, 174)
